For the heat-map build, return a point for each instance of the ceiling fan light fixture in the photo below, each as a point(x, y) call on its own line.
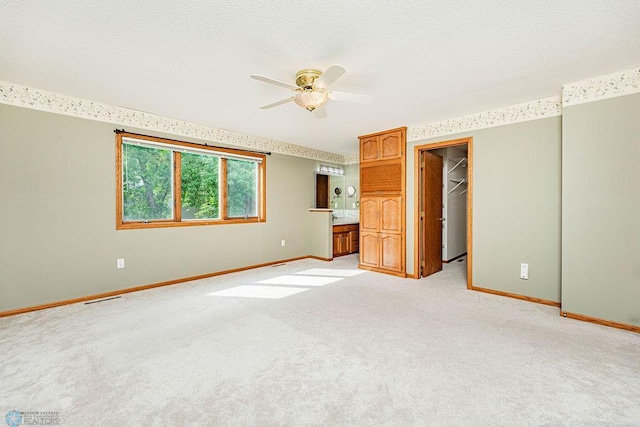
point(311, 99)
point(311, 90)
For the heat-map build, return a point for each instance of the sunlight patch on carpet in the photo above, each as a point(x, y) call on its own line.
point(251, 291)
point(300, 280)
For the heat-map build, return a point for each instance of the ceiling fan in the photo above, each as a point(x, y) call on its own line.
point(312, 89)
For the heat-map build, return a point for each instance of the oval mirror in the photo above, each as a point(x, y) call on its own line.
point(351, 190)
point(338, 191)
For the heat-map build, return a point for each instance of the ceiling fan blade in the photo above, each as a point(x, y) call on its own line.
point(275, 104)
point(332, 74)
point(350, 97)
point(320, 113)
point(274, 82)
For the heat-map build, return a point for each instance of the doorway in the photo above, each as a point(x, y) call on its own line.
point(322, 191)
point(443, 190)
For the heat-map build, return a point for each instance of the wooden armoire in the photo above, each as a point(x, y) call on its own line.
point(382, 201)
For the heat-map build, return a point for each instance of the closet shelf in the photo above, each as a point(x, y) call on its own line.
point(460, 181)
point(458, 161)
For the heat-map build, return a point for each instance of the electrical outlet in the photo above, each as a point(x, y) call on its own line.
point(282, 243)
point(120, 262)
point(524, 271)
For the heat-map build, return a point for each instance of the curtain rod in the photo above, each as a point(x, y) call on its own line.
point(268, 153)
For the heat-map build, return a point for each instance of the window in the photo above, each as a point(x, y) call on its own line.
point(241, 188)
point(146, 183)
point(165, 183)
point(199, 175)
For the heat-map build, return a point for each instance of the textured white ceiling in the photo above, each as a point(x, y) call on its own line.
point(423, 61)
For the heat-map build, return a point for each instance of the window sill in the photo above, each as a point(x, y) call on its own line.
point(189, 223)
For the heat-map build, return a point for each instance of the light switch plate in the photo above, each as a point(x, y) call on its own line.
point(524, 271)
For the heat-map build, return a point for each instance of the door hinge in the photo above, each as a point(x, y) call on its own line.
point(421, 215)
point(422, 165)
point(423, 264)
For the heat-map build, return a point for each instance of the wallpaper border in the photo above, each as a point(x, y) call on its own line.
point(612, 85)
point(608, 86)
point(526, 111)
point(43, 100)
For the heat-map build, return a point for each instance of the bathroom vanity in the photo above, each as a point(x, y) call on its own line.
point(346, 239)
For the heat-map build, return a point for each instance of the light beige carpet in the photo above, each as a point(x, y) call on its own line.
point(299, 345)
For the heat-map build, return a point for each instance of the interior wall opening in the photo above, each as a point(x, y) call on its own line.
point(444, 196)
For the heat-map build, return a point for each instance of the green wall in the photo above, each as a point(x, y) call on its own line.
point(560, 194)
point(600, 205)
point(57, 222)
point(516, 206)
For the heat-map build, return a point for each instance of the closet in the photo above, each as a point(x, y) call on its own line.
point(442, 207)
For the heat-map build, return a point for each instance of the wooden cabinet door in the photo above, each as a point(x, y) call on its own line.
point(369, 214)
point(336, 244)
point(369, 149)
point(390, 146)
point(382, 214)
point(391, 252)
point(390, 214)
point(370, 249)
point(339, 244)
point(354, 242)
